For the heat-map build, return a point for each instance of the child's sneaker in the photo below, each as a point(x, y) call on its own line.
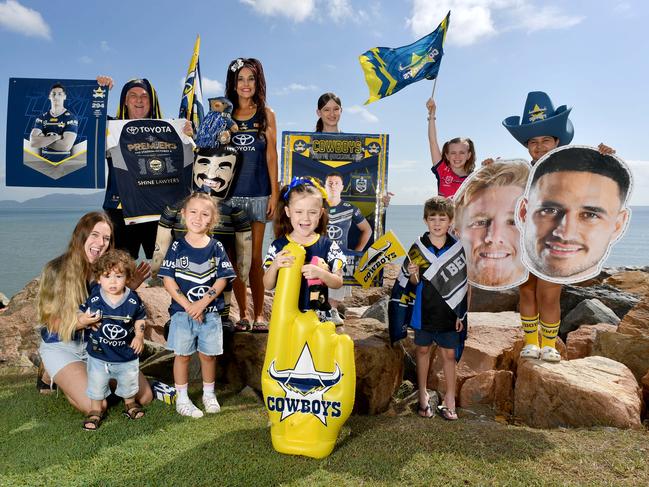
point(187, 408)
point(211, 404)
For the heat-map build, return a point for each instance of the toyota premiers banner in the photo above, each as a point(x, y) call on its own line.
point(353, 169)
point(55, 133)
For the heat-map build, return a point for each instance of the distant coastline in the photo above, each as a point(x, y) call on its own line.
point(58, 200)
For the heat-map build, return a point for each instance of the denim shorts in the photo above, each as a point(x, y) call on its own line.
point(57, 355)
point(187, 335)
point(127, 375)
point(254, 206)
point(444, 339)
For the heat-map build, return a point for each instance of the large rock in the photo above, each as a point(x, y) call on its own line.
point(494, 387)
point(636, 321)
point(588, 312)
point(593, 391)
point(632, 351)
point(645, 390)
point(19, 337)
point(494, 343)
point(378, 311)
point(631, 281)
point(493, 301)
point(156, 301)
point(379, 366)
point(618, 301)
point(580, 342)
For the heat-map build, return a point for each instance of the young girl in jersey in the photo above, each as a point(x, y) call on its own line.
point(454, 162)
point(302, 218)
point(195, 272)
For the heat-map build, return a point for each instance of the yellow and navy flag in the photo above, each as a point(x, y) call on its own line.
point(191, 104)
point(387, 70)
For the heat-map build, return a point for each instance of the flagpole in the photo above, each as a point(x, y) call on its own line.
point(432, 95)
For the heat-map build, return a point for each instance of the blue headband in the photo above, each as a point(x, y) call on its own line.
point(305, 181)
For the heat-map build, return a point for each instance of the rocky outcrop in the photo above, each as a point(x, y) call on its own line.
point(618, 301)
point(588, 312)
point(483, 301)
point(636, 321)
point(580, 342)
point(631, 350)
point(19, 338)
point(494, 388)
point(593, 391)
point(378, 311)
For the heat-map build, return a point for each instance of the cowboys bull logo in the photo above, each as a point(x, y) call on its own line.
point(305, 388)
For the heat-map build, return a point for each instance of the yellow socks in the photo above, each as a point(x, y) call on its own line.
point(549, 332)
point(531, 329)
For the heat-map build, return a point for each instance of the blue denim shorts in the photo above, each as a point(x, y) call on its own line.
point(127, 375)
point(187, 335)
point(57, 355)
point(443, 339)
point(254, 206)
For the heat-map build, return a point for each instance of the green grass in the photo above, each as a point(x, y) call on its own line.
point(43, 444)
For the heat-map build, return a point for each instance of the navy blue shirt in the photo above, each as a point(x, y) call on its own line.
point(253, 179)
point(195, 270)
point(111, 342)
point(48, 124)
point(341, 218)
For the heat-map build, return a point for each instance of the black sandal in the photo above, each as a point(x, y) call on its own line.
point(132, 409)
point(93, 418)
point(447, 414)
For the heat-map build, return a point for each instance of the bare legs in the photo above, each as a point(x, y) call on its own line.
point(256, 278)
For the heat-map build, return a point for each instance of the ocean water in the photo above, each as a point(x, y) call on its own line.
point(31, 237)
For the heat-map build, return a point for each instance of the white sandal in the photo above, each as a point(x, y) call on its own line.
point(531, 351)
point(550, 354)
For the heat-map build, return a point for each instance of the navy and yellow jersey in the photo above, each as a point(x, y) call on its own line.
point(341, 218)
point(320, 247)
point(151, 166)
point(253, 179)
point(196, 270)
point(111, 342)
point(231, 221)
point(48, 124)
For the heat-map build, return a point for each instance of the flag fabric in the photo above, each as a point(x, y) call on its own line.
point(388, 70)
point(191, 104)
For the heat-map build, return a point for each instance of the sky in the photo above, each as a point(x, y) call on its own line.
point(587, 54)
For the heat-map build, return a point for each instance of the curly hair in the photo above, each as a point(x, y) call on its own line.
point(114, 259)
point(259, 98)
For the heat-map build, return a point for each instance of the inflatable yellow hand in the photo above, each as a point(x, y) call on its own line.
point(309, 376)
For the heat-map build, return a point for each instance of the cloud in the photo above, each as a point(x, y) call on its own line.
point(103, 45)
point(296, 87)
point(475, 20)
point(210, 86)
point(85, 59)
point(297, 10)
point(364, 113)
point(340, 10)
point(17, 18)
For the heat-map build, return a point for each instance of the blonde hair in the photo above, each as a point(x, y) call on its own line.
point(198, 195)
point(494, 175)
point(63, 285)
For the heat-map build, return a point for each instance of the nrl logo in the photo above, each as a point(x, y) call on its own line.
point(361, 185)
point(304, 387)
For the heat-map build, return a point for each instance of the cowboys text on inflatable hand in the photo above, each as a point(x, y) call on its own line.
point(485, 206)
point(573, 210)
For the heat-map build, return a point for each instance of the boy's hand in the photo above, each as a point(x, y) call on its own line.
point(413, 270)
point(459, 326)
point(284, 259)
point(195, 310)
point(138, 344)
point(89, 318)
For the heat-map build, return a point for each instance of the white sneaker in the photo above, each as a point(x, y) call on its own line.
point(187, 408)
point(211, 404)
point(531, 351)
point(335, 318)
point(550, 354)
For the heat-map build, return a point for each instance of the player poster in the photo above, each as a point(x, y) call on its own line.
point(56, 133)
point(353, 169)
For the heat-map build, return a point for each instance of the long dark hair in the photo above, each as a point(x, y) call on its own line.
point(259, 98)
point(282, 223)
point(322, 101)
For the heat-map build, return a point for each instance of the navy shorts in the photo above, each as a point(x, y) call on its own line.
point(443, 339)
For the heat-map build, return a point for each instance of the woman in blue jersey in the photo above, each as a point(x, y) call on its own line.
point(65, 284)
point(256, 190)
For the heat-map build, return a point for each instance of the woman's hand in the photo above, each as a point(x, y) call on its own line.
point(431, 107)
point(187, 129)
point(142, 273)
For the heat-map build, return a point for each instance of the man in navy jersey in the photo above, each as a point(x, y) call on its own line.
point(55, 131)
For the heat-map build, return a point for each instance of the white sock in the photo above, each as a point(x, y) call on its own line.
point(181, 390)
point(208, 388)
